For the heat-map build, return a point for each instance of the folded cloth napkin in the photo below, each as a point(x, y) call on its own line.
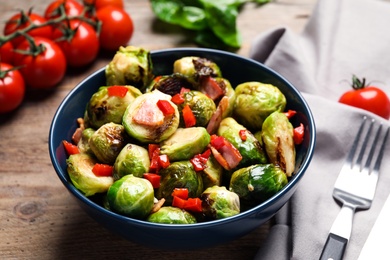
point(342, 37)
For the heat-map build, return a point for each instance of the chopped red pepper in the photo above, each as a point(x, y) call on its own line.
point(299, 133)
point(70, 148)
point(198, 163)
point(153, 178)
point(154, 161)
point(118, 91)
point(166, 107)
point(184, 90)
point(178, 202)
point(181, 193)
point(217, 141)
point(178, 99)
point(151, 149)
point(188, 116)
point(290, 113)
point(206, 154)
point(242, 134)
point(102, 170)
point(163, 160)
point(193, 204)
point(157, 79)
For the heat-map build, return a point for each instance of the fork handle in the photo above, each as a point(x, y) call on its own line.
point(334, 247)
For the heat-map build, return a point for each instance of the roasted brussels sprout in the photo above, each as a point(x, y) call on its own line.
point(277, 135)
point(201, 105)
point(144, 121)
point(107, 142)
point(83, 144)
point(255, 101)
point(212, 174)
point(195, 66)
point(130, 66)
point(218, 202)
point(104, 108)
point(79, 167)
point(133, 159)
point(185, 143)
point(131, 196)
point(171, 215)
point(179, 175)
point(171, 84)
point(250, 148)
point(257, 183)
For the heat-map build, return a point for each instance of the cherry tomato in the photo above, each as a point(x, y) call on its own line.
point(369, 98)
point(22, 20)
point(102, 3)
point(117, 27)
point(6, 53)
point(44, 70)
point(83, 45)
point(12, 88)
point(72, 8)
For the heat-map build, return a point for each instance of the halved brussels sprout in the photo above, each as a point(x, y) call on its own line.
point(278, 139)
point(192, 66)
point(185, 143)
point(179, 175)
point(131, 196)
point(144, 121)
point(83, 144)
point(218, 202)
point(255, 101)
point(250, 148)
point(103, 108)
point(130, 66)
point(133, 159)
point(107, 142)
point(201, 105)
point(172, 215)
point(257, 183)
point(80, 172)
point(171, 84)
point(212, 174)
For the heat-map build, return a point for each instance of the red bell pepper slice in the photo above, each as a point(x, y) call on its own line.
point(242, 134)
point(178, 202)
point(151, 149)
point(217, 141)
point(184, 90)
point(193, 204)
point(163, 160)
point(198, 163)
point(153, 178)
point(181, 193)
point(154, 162)
point(299, 133)
point(290, 113)
point(188, 116)
point(102, 170)
point(70, 148)
point(206, 154)
point(178, 99)
point(118, 91)
point(165, 107)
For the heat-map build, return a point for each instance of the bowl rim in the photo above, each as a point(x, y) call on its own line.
point(258, 208)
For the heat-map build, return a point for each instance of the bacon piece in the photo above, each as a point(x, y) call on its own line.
point(149, 114)
point(216, 118)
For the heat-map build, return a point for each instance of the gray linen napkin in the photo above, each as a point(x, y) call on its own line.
point(342, 37)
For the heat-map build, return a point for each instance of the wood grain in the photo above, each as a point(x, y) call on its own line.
point(38, 217)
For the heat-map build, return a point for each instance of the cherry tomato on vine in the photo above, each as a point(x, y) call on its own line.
point(79, 42)
point(42, 69)
point(102, 3)
point(22, 20)
point(6, 52)
point(369, 98)
point(12, 88)
point(72, 8)
point(117, 27)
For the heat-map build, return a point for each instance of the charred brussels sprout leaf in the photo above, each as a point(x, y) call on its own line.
point(185, 143)
point(218, 202)
point(80, 173)
point(133, 159)
point(179, 175)
point(103, 108)
point(107, 142)
point(131, 196)
point(171, 215)
point(250, 149)
point(130, 66)
point(277, 135)
point(144, 121)
point(194, 67)
point(257, 183)
point(255, 101)
point(171, 84)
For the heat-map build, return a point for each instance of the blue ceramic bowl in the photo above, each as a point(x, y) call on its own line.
point(237, 70)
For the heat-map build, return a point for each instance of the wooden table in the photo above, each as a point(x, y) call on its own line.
point(38, 217)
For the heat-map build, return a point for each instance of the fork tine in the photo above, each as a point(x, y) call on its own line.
point(381, 152)
point(359, 160)
point(355, 143)
point(374, 144)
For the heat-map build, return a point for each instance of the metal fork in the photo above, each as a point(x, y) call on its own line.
point(355, 187)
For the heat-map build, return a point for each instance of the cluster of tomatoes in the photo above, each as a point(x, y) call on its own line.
point(36, 50)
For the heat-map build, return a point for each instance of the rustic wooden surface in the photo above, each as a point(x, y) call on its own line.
point(38, 217)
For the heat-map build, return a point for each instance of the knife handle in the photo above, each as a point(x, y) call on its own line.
point(334, 248)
